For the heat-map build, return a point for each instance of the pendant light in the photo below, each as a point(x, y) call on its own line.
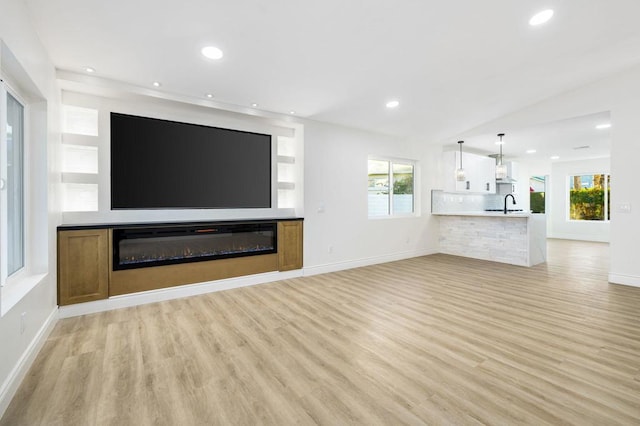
point(460, 171)
point(501, 168)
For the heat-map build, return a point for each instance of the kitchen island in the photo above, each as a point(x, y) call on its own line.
point(514, 238)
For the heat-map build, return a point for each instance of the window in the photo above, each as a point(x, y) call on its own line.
point(24, 240)
point(391, 187)
point(11, 185)
point(589, 197)
point(14, 185)
point(536, 194)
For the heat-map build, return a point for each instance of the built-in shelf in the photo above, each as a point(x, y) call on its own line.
point(81, 140)
point(87, 178)
point(288, 172)
point(79, 165)
point(286, 159)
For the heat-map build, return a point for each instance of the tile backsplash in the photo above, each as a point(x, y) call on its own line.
point(453, 202)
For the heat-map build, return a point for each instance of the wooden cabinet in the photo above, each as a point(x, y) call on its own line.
point(85, 270)
point(479, 173)
point(289, 245)
point(83, 265)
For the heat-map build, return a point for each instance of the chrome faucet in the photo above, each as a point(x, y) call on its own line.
point(513, 201)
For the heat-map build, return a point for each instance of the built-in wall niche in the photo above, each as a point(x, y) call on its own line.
point(79, 159)
point(287, 172)
point(84, 159)
point(79, 121)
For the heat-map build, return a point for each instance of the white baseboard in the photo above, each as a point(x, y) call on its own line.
point(142, 298)
point(350, 264)
point(593, 237)
point(631, 280)
point(19, 371)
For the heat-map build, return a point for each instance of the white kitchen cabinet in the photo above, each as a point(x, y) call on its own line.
point(479, 172)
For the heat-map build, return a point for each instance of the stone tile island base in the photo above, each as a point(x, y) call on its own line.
point(517, 239)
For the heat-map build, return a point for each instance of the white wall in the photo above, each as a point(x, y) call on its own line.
point(625, 150)
point(39, 305)
point(558, 201)
point(338, 233)
point(522, 186)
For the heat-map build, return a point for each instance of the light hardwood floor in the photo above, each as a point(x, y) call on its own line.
point(430, 340)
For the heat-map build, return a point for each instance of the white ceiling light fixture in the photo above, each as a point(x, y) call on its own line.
point(531, 151)
point(392, 104)
point(209, 95)
point(156, 84)
point(555, 157)
point(90, 70)
point(212, 52)
point(603, 126)
point(460, 177)
point(292, 112)
point(501, 168)
point(254, 105)
point(541, 17)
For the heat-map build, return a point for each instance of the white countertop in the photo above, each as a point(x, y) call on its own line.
point(516, 215)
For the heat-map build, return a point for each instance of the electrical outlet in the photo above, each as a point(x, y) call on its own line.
point(23, 318)
point(624, 208)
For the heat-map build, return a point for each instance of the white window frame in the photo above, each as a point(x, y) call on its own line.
point(607, 177)
point(5, 278)
point(391, 160)
point(14, 287)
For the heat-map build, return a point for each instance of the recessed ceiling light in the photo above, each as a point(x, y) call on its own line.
point(254, 105)
point(209, 95)
point(292, 112)
point(156, 84)
point(392, 104)
point(531, 151)
point(603, 126)
point(555, 157)
point(90, 70)
point(212, 52)
point(541, 17)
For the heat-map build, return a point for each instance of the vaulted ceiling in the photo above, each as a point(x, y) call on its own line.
point(452, 65)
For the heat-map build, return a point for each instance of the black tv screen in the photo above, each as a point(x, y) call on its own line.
point(160, 164)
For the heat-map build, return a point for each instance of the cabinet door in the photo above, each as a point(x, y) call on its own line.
point(479, 173)
point(450, 163)
point(289, 245)
point(485, 179)
point(472, 165)
point(83, 265)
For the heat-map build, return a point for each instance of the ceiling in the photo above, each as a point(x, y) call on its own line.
point(571, 139)
point(453, 65)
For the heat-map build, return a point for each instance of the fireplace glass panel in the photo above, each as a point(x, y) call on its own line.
point(144, 247)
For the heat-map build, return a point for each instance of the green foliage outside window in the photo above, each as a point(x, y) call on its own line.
point(587, 197)
point(403, 186)
point(536, 202)
point(587, 204)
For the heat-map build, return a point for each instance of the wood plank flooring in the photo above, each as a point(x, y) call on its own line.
point(430, 340)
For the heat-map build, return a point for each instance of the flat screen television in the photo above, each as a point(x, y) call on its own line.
point(160, 164)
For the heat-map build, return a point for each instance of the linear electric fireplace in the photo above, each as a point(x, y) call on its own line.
point(141, 247)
